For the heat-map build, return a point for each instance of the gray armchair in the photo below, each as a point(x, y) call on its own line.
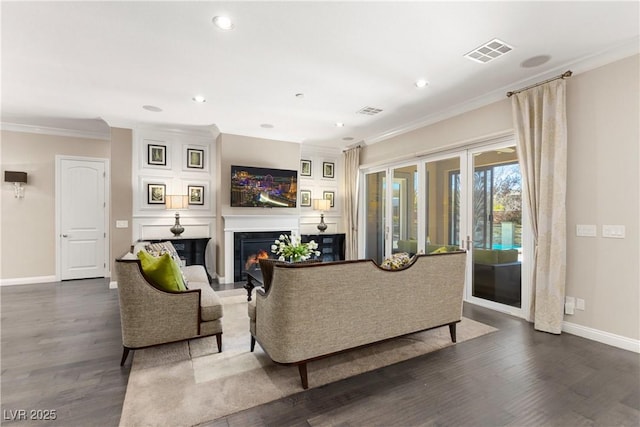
point(150, 316)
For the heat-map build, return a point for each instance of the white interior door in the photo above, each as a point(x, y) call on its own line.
point(82, 213)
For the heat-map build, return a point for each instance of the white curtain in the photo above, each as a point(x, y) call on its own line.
point(539, 116)
point(350, 206)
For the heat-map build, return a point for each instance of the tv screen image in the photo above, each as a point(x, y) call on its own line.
point(263, 187)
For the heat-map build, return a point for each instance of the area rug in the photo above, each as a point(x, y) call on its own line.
point(188, 383)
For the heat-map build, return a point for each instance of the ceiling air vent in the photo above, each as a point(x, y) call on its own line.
point(369, 111)
point(489, 51)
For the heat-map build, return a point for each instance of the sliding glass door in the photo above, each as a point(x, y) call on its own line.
point(391, 212)
point(443, 191)
point(375, 216)
point(404, 209)
point(496, 227)
point(469, 199)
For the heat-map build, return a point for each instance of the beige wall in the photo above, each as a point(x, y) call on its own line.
point(121, 194)
point(248, 151)
point(489, 120)
point(28, 225)
point(603, 185)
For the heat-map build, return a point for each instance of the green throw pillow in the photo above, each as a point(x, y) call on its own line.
point(163, 271)
point(440, 250)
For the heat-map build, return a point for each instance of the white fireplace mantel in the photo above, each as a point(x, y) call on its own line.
point(250, 223)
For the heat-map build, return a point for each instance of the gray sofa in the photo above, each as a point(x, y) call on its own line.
point(151, 316)
point(316, 310)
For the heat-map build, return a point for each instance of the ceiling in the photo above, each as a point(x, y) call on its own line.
point(65, 62)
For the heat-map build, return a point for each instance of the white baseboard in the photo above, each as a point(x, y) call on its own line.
point(113, 285)
point(601, 336)
point(27, 280)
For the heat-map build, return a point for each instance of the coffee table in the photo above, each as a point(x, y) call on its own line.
point(254, 279)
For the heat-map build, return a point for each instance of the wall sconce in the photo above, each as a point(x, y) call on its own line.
point(177, 203)
point(17, 178)
point(321, 205)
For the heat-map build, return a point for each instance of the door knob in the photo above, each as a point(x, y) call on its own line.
point(65, 235)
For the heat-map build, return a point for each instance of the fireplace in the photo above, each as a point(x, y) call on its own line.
point(263, 223)
point(249, 247)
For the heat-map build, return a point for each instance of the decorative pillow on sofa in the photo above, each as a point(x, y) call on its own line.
point(396, 261)
point(162, 271)
point(160, 248)
point(157, 249)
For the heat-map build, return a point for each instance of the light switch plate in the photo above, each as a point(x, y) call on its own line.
point(586, 230)
point(613, 231)
point(122, 223)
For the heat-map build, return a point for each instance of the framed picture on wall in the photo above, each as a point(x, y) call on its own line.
point(305, 198)
point(156, 154)
point(196, 194)
point(329, 195)
point(328, 169)
point(305, 167)
point(195, 158)
point(155, 194)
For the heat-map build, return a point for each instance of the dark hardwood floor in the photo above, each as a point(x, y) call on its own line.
point(61, 350)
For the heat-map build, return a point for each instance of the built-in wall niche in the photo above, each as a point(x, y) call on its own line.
point(320, 178)
point(173, 163)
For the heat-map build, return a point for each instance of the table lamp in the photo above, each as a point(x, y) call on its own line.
point(177, 202)
point(321, 205)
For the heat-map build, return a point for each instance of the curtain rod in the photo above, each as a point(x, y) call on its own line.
point(564, 75)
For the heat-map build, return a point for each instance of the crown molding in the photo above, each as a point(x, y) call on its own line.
point(48, 130)
point(623, 50)
point(210, 131)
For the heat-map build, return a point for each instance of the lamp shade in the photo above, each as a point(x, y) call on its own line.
point(177, 202)
point(321, 204)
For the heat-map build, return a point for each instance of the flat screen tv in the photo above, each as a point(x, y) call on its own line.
point(263, 187)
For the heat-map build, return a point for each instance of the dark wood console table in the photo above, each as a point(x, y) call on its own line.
point(330, 246)
point(192, 250)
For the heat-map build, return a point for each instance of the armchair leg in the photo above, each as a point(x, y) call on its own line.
point(452, 331)
point(125, 353)
point(253, 343)
point(219, 342)
point(302, 369)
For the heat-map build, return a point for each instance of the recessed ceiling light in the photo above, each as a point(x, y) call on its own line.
point(199, 98)
point(339, 124)
point(299, 95)
point(152, 108)
point(223, 22)
point(420, 83)
point(347, 138)
point(266, 126)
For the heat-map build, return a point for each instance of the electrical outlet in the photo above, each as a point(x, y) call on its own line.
point(569, 305)
point(579, 304)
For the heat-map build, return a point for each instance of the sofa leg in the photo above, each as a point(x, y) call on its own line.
point(302, 368)
point(125, 353)
point(253, 343)
point(219, 342)
point(452, 331)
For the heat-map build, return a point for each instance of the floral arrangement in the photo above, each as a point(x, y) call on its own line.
point(396, 261)
point(290, 248)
